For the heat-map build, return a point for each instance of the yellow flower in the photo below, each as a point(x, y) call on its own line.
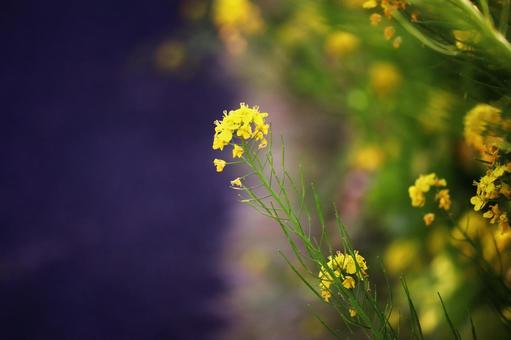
point(389, 32)
point(493, 214)
point(349, 265)
point(361, 262)
point(444, 199)
point(389, 6)
point(237, 15)
point(429, 218)
point(339, 44)
point(477, 121)
point(245, 122)
point(489, 188)
point(400, 255)
point(425, 182)
point(368, 158)
point(385, 78)
point(397, 42)
point(504, 222)
point(375, 19)
point(326, 295)
point(352, 312)
point(422, 185)
point(237, 151)
point(236, 182)
point(263, 144)
point(222, 139)
point(477, 202)
point(245, 131)
point(342, 266)
point(417, 196)
point(370, 4)
point(348, 282)
point(258, 135)
point(220, 164)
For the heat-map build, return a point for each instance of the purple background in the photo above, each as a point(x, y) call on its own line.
point(111, 214)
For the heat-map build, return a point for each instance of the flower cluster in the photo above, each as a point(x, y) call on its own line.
point(245, 123)
point(422, 185)
point(482, 125)
point(484, 128)
point(235, 19)
point(489, 188)
point(345, 268)
point(388, 7)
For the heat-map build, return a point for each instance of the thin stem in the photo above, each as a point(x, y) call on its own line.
point(504, 17)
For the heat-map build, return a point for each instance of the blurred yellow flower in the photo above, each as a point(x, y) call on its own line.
point(240, 15)
point(435, 117)
point(375, 19)
point(429, 218)
point(306, 22)
point(170, 55)
point(234, 19)
point(422, 185)
point(352, 312)
point(417, 196)
point(352, 4)
point(444, 199)
point(429, 319)
point(389, 32)
point(477, 121)
point(425, 182)
point(400, 255)
point(385, 78)
point(397, 42)
point(368, 158)
point(340, 43)
point(370, 4)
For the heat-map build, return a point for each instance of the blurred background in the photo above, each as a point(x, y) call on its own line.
point(112, 219)
point(114, 223)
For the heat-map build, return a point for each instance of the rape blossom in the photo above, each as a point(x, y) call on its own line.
point(422, 185)
point(244, 124)
point(236, 182)
point(429, 218)
point(344, 267)
point(220, 164)
point(490, 187)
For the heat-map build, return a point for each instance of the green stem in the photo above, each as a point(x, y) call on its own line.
point(434, 45)
point(486, 11)
point(504, 17)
